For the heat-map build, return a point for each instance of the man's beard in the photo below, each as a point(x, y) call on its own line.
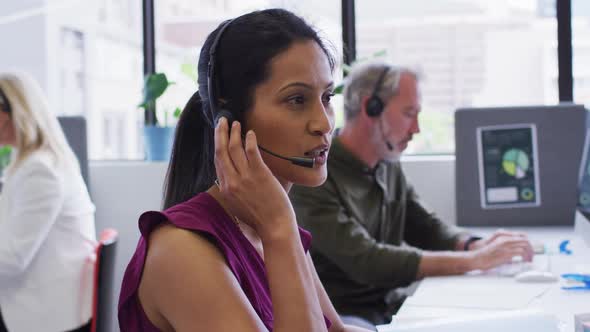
point(380, 142)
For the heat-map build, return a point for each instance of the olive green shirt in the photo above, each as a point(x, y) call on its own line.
point(368, 231)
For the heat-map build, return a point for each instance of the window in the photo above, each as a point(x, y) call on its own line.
point(581, 50)
point(470, 53)
point(183, 25)
point(72, 71)
point(87, 56)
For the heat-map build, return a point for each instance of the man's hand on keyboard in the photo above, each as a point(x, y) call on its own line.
point(497, 234)
point(499, 249)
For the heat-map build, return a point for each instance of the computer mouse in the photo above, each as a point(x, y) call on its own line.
point(536, 276)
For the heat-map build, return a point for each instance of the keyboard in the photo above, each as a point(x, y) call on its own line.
point(512, 269)
point(539, 248)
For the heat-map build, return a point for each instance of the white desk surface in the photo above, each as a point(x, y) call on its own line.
point(564, 304)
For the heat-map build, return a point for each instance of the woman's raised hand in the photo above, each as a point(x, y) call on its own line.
point(251, 191)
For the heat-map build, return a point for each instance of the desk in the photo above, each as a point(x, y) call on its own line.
point(564, 304)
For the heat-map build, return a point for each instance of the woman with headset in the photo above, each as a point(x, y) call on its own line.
point(47, 229)
point(226, 253)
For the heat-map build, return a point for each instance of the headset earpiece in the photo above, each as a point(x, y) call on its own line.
point(375, 106)
point(223, 113)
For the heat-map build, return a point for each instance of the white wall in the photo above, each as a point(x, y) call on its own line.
point(433, 177)
point(24, 43)
point(121, 191)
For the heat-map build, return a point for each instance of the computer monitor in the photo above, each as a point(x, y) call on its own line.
point(518, 166)
point(74, 128)
point(583, 205)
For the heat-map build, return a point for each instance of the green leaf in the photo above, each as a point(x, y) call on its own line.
point(338, 89)
point(154, 86)
point(380, 53)
point(190, 70)
point(346, 68)
point(5, 152)
point(177, 112)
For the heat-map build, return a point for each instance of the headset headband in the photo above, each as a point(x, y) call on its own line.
point(213, 86)
point(380, 81)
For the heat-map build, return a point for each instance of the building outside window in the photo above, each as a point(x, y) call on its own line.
point(88, 55)
point(470, 53)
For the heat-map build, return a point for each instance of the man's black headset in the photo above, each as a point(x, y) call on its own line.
point(219, 112)
point(375, 106)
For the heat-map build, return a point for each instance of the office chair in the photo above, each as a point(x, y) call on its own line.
point(104, 273)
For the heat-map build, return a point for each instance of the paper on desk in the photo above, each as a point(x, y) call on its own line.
point(511, 321)
point(478, 292)
point(428, 313)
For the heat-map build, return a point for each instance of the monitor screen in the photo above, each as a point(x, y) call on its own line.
point(518, 165)
point(508, 167)
point(584, 179)
point(583, 204)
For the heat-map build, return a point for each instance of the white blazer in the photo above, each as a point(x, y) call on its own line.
point(47, 237)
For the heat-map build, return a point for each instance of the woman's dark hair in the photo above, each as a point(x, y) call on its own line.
point(242, 60)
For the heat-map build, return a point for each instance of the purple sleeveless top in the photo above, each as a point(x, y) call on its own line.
point(202, 214)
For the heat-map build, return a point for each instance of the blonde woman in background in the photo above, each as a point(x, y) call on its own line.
point(46, 219)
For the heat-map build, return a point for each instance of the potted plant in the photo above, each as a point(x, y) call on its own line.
point(158, 137)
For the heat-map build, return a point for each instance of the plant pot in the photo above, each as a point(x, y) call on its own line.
point(158, 142)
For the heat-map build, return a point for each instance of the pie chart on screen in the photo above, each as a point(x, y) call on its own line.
point(516, 163)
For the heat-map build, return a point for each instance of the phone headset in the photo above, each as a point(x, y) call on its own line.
point(219, 111)
point(375, 105)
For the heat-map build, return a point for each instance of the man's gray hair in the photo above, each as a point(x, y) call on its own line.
point(361, 82)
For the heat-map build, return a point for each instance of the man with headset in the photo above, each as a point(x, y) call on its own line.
point(371, 233)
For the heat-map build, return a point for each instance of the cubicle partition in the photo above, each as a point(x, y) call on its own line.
point(532, 178)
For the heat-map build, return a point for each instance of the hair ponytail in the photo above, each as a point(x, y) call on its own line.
point(191, 169)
